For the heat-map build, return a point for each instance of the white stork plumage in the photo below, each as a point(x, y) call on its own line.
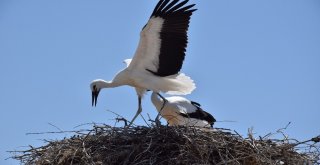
point(159, 56)
point(181, 111)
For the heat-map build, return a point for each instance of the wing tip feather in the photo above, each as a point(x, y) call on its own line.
point(164, 8)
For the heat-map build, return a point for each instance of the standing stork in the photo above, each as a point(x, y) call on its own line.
point(159, 56)
point(181, 111)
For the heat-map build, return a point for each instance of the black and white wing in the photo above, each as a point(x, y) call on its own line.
point(163, 40)
point(201, 114)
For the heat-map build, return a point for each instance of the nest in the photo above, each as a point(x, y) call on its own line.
point(105, 144)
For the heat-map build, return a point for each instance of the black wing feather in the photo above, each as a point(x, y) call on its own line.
point(170, 5)
point(177, 6)
point(195, 104)
point(200, 114)
point(173, 35)
point(156, 8)
point(159, 11)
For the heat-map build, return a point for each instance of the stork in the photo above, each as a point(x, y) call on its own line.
point(181, 111)
point(159, 57)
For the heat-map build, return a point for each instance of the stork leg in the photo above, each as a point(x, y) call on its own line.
point(138, 112)
point(158, 123)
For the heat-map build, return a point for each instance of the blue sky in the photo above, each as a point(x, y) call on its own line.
point(254, 62)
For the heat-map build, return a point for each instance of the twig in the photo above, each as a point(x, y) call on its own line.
point(122, 119)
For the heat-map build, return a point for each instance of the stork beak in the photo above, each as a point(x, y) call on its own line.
point(95, 94)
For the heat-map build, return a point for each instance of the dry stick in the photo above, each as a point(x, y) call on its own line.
point(278, 131)
point(153, 121)
point(53, 132)
point(92, 123)
point(120, 117)
point(144, 120)
point(149, 117)
point(83, 145)
point(315, 140)
point(56, 127)
point(230, 148)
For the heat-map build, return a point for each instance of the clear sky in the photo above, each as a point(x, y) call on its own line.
point(256, 63)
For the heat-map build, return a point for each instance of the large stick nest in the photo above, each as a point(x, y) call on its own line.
point(169, 145)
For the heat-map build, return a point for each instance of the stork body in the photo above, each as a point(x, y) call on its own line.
point(159, 56)
point(181, 111)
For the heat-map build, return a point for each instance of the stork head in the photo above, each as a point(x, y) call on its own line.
point(96, 86)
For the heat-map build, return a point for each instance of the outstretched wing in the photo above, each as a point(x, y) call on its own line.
point(163, 40)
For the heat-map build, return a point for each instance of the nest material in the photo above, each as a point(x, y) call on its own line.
point(167, 145)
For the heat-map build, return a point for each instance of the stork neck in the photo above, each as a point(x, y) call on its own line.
point(156, 100)
point(122, 78)
point(105, 84)
point(111, 84)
